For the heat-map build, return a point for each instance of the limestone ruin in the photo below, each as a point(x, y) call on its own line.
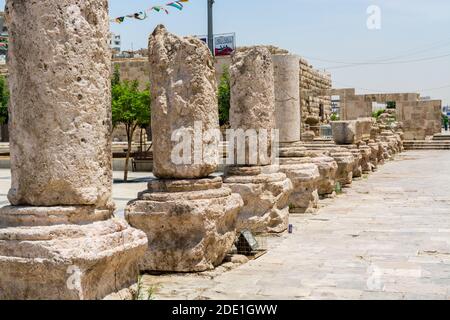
point(188, 216)
point(264, 189)
point(58, 240)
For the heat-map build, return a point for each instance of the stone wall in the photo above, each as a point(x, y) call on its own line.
point(315, 104)
point(134, 69)
point(420, 118)
point(314, 85)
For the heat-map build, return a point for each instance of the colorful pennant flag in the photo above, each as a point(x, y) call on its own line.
point(142, 15)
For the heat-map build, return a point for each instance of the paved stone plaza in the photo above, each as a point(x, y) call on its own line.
point(387, 237)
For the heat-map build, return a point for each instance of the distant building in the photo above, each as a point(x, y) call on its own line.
point(446, 110)
point(3, 39)
point(115, 42)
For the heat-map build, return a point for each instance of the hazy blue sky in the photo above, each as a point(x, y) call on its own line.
point(325, 31)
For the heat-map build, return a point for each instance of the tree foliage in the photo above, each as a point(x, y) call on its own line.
point(4, 98)
point(130, 107)
point(223, 96)
point(444, 119)
point(377, 114)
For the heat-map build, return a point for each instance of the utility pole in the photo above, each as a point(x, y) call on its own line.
point(210, 26)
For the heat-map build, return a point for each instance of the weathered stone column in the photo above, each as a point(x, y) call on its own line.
point(302, 171)
point(57, 241)
point(189, 217)
point(264, 189)
point(287, 96)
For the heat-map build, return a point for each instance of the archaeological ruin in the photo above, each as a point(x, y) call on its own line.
point(188, 215)
point(59, 237)
point(264, 189)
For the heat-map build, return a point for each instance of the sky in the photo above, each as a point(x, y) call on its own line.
point(410, 52)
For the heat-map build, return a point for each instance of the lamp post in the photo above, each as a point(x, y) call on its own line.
point(210, 26)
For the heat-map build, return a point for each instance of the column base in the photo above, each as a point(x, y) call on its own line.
point(305, 180)
point(265, 192)
point(346, 163)
point(66, 262)
point(190, 224)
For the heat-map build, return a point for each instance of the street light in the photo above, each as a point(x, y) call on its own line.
point(210, 26)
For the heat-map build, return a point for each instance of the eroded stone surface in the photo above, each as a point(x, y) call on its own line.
point(266, 200)
point(328, 169)
point(69, 262)
point(305, 180)
point(60, 111)
point(287, 96)
point(184, 93)
point(253, 97)
point(16, 216)
point(189, 231)
point(351, 131)
point(346, 165)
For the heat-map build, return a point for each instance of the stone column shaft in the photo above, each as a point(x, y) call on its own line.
point(60, 115)
point(185, 101)
point(287, 97)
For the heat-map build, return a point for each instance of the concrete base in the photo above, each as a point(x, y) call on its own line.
point(68, 262)
point(266, 193)
point(190, 224)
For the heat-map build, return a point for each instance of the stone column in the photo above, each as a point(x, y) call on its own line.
point(287, 96)
point(188, 216)
point(57, 241)
point(264, 189)
point(302, 170)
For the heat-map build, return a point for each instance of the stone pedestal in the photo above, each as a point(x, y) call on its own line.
point(328, 169)
point(67, 262)
point(368, 164)
point(190, 224)
point(297, 153)
point(351, 131)
point(189, 217)
point(305, 180)
point(265, 192)
point(358, 161)
point(346, 164)
point(57, 241)
point(305, 177)
point(375, 157)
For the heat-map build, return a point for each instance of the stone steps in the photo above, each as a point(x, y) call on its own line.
point(443, 137)
point(427, 145)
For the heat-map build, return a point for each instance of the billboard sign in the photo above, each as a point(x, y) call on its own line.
point(224, 44)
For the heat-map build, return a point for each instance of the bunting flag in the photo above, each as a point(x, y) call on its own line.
point(142, 15)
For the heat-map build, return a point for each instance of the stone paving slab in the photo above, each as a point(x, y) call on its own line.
point(387, 237)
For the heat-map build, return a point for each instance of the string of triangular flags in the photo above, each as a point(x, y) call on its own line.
point(142, 15)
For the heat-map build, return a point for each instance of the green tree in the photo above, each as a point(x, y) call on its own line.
point(130, 107)
point(223, 96)
point(4, 98)
point(116, 76)
point(445, 120)
point(391, 105)
point(378, 113)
